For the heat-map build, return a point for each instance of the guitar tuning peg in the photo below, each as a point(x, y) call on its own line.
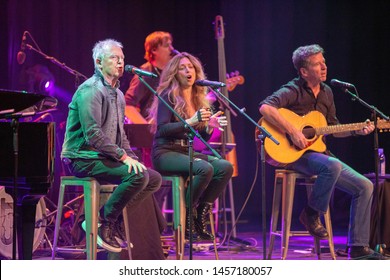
point(227, 75)
point(237, 73)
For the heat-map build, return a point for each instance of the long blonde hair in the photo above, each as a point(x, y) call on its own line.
point(170, 85)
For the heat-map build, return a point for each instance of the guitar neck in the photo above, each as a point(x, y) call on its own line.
point(339, 128)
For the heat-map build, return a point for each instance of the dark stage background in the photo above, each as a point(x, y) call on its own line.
point(260, 38)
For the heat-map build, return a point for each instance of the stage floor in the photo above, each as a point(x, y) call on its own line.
point(247, 245)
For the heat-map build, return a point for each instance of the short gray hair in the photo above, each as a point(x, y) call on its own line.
point(101, 49)
point(301, 54)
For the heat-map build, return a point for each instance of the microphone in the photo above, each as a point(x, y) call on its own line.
point(206, 83)
point(341, 84)
point(139, 72)
point(174, 52)
point(21, 56)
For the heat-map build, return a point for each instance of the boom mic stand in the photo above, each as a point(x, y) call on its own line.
point(375, 112)
point(56, 62)
point(264, 134)
point(190, 136)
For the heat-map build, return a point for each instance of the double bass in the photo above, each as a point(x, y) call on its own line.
point(227, 137)
point(223, 142)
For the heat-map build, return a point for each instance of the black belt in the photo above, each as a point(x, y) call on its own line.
point(179, 142)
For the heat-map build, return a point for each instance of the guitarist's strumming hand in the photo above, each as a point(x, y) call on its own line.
point(273, 115)
point(299, 139)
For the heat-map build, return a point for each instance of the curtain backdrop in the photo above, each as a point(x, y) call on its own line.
point(260, 36)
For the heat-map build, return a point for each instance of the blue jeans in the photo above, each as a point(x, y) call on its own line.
point(132, 188)
point(332, 173)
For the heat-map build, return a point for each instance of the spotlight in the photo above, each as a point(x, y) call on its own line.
point(46, 84)
point(40, 79)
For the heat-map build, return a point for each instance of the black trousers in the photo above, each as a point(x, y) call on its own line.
point(132, 188)
point(210, 174)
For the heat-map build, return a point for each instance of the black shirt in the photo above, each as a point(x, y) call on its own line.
point(138, 95)
point(299, 98)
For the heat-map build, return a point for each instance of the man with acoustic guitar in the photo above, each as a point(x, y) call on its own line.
point(302, 95)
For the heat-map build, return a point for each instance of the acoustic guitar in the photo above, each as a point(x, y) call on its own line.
point(313, 126)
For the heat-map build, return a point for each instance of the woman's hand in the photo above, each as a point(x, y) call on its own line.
point(218, 121)
point(202, 115)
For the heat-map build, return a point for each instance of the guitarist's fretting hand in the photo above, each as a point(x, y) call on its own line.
point(367, 129)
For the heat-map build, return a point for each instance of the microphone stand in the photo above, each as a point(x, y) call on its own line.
point(60, 64)
point(375, 111)
point(264, 134)
point(225, 104)
point(190, 137)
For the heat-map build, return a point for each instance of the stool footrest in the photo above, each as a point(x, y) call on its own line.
point(292, 233)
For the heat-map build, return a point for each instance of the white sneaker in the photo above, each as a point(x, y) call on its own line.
point(103, 244)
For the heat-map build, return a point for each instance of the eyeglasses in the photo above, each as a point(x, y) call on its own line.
point(117, 58)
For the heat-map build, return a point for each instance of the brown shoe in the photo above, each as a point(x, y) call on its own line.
point(313, 225)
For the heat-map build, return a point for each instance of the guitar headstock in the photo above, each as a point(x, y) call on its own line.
point(383, 125)
point(233, 79)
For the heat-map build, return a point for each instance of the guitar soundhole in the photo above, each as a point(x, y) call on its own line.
point(309, 132)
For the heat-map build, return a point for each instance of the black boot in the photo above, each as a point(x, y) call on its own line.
point(106, 237)
point(203, 212)
point(120, 234)
point(195, 236)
